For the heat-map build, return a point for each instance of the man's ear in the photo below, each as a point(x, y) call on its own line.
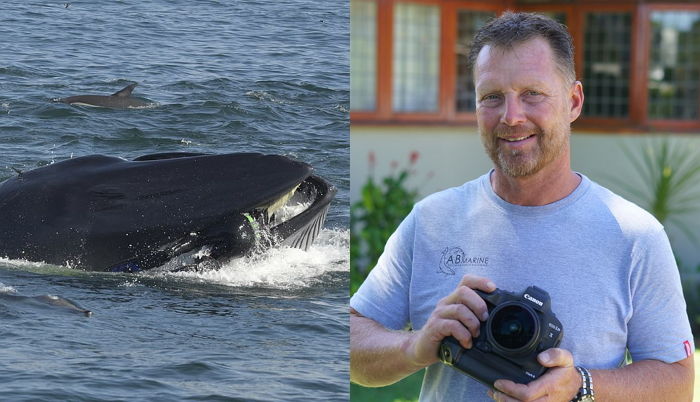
point(576, 96)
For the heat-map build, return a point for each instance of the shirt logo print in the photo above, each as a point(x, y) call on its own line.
point(454, 257)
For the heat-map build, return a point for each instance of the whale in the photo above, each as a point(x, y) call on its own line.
point(121, 99)
point(105, 213)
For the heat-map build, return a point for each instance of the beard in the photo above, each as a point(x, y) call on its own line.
point(521, 163)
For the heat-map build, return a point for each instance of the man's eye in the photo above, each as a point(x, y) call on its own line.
point(491, 99)
point(533, 96)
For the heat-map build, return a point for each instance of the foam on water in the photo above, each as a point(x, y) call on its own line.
point(277, 268)
point(281, 268)
point(7, 289)
point(22, 264)
point(40, 267)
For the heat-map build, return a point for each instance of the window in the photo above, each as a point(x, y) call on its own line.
point(468, 22)
point(556, 16)
point(416, 59)
point(639, 60)
point(363, 55)
point(674, 65)
point(606, 64)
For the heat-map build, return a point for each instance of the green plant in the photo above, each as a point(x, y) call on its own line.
point(376, 216)
point(406, 390)
point(670, 178)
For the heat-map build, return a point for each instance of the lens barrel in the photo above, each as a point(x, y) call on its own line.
point(513, 328)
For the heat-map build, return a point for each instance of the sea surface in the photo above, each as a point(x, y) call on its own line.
point(219, 76)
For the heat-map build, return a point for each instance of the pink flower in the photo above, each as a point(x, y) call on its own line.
point(371, 158)
point(414, 157)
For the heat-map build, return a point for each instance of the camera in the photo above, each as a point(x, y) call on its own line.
point(519, 327)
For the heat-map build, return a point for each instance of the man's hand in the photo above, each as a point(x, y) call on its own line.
point(560, 384)
point(458, 315)
point(379, 356)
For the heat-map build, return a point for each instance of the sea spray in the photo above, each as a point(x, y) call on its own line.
point(281, 267)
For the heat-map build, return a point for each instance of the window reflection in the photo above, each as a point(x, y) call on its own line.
point(363, 55)
point(416, 60)
point(606, 64)
point(674, 65)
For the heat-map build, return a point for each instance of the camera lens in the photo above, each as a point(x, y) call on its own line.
point(513, 327)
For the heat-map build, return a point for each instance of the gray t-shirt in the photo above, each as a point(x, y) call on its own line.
point(606, 263)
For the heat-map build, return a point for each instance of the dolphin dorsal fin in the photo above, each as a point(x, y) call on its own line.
point(126, 92)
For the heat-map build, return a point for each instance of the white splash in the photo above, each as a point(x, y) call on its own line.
point(277, 268)
point(20, 263)
point(289, 211)
point(40, 267)
point(7, 289)
point(282, 268)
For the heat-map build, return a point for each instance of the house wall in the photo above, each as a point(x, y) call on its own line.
point(449, 156)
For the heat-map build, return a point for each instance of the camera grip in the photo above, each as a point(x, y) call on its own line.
point(491, 298)
point(482, 366)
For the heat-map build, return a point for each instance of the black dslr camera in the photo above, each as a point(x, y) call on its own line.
point(519, 327)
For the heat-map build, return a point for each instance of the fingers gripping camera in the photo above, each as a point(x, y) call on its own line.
point(519, 327)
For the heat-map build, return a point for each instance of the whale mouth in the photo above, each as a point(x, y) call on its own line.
point(294, 220)
point(104, 213)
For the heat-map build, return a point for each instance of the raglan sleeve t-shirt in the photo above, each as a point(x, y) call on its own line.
point(606, 263)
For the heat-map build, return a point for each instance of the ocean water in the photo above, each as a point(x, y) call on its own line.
point(220, 76)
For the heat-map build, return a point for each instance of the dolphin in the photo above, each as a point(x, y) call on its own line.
point(11, 296)
point(121, 99)
point(52, 300)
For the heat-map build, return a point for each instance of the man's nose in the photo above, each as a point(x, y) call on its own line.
point(513, 111)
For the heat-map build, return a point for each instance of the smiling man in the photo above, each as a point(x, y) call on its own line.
point(605, 262)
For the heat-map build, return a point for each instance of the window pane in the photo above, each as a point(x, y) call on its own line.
point(559, 17)
point(468, 22)
point(416, 57)
point(363, 55)
point(606, 64)
point(674, 65)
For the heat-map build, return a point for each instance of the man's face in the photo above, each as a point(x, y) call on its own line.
point(524, 108)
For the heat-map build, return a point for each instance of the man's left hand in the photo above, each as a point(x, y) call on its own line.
point(560, 384)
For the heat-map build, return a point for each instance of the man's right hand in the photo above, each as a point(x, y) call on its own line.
point(458, 315)
point(380, 357)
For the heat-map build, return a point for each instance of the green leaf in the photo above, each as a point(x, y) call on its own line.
point(374, 218)
point(670, 176)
